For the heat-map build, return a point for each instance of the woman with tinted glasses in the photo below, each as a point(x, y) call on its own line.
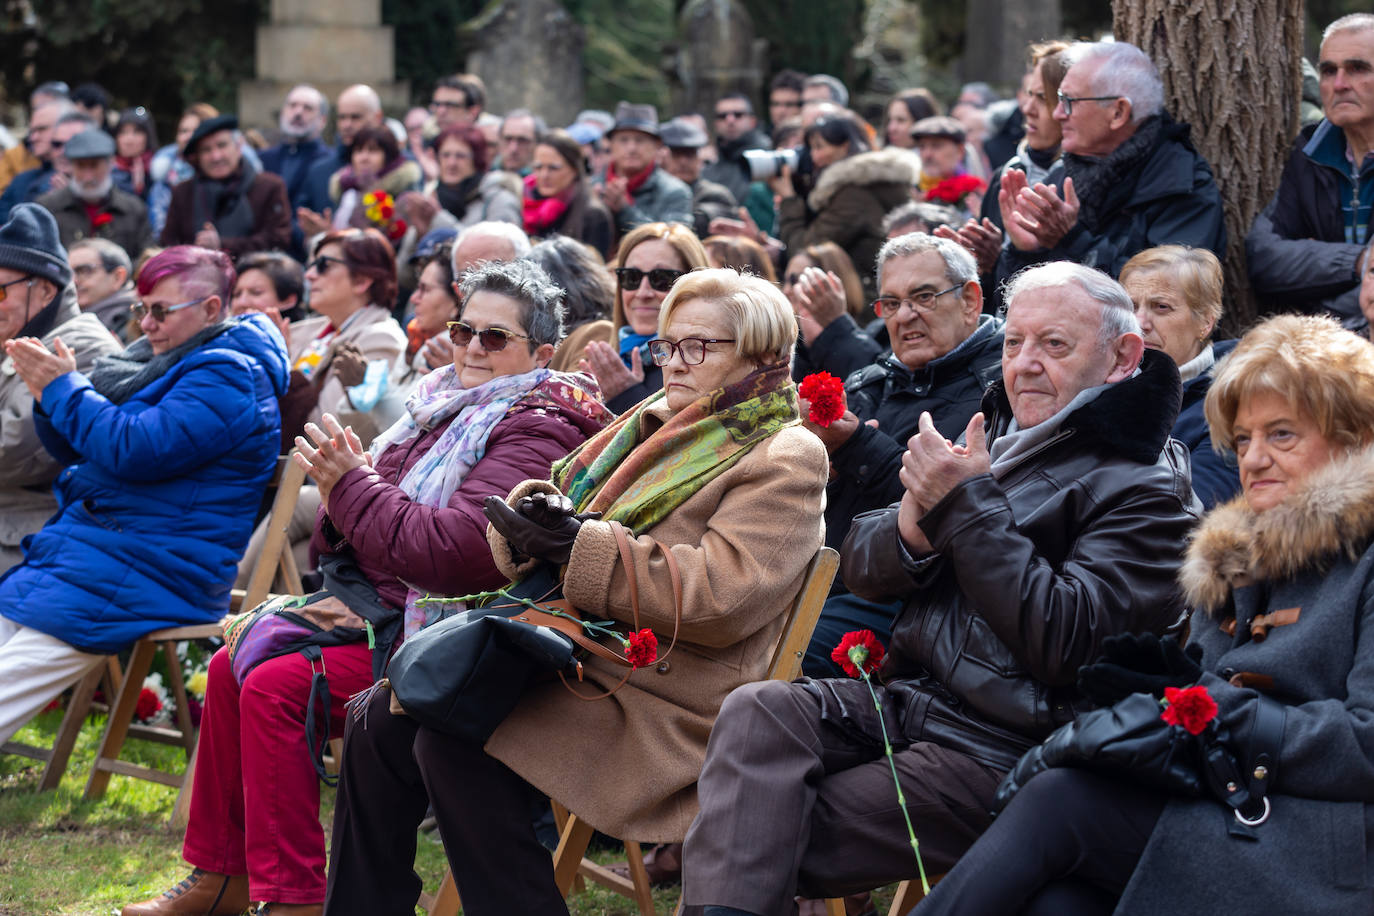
point(396, 524)
point(652, 257)
point(714, 468)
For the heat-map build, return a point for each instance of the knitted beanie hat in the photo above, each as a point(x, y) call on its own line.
point(29, 243)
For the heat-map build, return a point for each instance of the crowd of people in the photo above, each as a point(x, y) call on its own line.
point(496, 347)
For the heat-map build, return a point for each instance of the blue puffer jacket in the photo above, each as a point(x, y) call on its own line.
point(158, 502)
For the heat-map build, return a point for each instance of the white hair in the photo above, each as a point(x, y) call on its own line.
point(960, 267)
point(1124, 71)
point(509, 233)
point(1118, 311)
point(321, 100)
point(1355, 22)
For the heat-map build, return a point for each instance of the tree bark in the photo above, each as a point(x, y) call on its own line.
point(1233, 70)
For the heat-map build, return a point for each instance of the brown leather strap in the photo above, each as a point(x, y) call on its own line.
point(674, 575)
point(571, 629)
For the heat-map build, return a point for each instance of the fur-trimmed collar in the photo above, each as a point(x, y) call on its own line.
point(878, 167)
point(1332, 513)
point(1133, 417)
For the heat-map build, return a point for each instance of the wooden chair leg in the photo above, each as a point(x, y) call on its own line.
point(70, 729)
point(180, 700)
point(834, 906)
point(121, 717)
point(644, 894)
point(181, 811)
point(909, 894)
point(446, 900)
point(572, 846)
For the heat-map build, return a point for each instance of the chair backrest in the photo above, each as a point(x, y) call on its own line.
point(801, 619)
point(276, 557)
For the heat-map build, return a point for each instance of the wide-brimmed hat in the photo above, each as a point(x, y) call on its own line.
point(939, 126)
point(92, 143)
point(629, 116)
point(206, 128)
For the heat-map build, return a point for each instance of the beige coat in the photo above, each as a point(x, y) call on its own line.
point(628, 764)
point(374, 332)
point(26, 468)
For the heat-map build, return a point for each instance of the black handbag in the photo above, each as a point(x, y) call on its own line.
point(464, 674)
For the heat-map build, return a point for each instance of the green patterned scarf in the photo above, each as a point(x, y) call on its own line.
point(636, 478)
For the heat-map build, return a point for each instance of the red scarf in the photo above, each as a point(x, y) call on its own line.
point(635, 182)
point(542, 213)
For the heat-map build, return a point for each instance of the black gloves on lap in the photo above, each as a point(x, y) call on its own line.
point(543, 526)
point(1139, 663)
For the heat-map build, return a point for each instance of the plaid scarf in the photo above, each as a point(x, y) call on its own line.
point(636, 475)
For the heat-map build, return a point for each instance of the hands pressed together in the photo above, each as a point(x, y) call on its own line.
point(931, 468)
point(335, 452)
point(37, 365)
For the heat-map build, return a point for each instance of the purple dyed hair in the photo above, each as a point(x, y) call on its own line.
point(202, 272)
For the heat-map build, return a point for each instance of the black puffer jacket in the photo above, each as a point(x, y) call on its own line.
point(1080, 541)
point(951, 388)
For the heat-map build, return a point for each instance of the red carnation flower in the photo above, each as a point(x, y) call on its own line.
point(148, 704)
point(101, 219)
point(825, 393)
point(398, 229)
point(642, 649)
point(1191, 707)
point(954, 189)
point(859, 650)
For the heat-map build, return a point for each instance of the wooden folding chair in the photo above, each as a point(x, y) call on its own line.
point(569, 859)
point(79, 706)
point(275, 565)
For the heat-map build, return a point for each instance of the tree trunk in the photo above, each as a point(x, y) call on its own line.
point(1233, 70)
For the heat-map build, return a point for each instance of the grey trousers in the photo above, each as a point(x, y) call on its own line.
point(791, 805)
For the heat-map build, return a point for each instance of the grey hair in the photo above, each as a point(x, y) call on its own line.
point(541, 303)
point(540, 126)
point(320, 99)
point(1125, 71)
point(1118, 311)
point(508, 232)
point(838, 93)
point(1355, 22)
point(75, 115)
point(111, 255)
point(960, 267)
point(920, 213)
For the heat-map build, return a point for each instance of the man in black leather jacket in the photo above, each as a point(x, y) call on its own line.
point(1060, 523)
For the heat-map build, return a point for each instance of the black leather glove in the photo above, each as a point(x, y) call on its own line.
point(1139, 663)
point(541, 528)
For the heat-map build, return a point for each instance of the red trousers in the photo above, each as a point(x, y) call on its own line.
point(255, 804)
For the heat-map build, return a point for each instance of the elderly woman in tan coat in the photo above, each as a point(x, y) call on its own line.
point(715, 470)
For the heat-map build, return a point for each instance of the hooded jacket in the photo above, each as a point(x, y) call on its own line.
point(158, 499)
point(1311, 556)
point(1079, 541)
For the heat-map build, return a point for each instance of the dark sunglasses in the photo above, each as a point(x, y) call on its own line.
point(727, 115)
point(493, 340)
point(159, 311)
point(660, 278)
point(321, 263)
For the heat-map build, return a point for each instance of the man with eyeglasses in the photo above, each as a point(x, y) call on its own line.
point(28, 186)
point(90, 206)
point(520, 130)
point(455, 102)
point(357, 107)
point(37, 299)
point(30, 154)
point(785, 96)
point(1308, 249)
point(737, 130)
point(681, 157)
point(1056, 521)
point(1133, 178)
point(104, 277)
point(945, 353)
point(633, 187)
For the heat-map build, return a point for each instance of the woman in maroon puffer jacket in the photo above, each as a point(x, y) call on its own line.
point(410, 521)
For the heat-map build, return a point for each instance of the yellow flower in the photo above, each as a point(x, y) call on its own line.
point(197, 683)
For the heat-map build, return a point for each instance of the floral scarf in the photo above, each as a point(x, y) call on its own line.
point(439, 396)
point(636, 476)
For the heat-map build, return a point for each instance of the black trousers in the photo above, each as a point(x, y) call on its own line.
point(391, 769)
point(1065, 846)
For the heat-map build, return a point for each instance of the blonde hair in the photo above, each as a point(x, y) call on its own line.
point(683, 241)
point(757, 315)
point(1324, 371)
point(1196, 273)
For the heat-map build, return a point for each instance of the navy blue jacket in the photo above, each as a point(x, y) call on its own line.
point(1215, 479)
point(159, 498)
point(26, 188)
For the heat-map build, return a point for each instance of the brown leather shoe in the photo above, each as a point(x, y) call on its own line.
point(663, 863)
point(201, 893)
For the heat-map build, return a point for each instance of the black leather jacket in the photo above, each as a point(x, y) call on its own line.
point(1078, 542)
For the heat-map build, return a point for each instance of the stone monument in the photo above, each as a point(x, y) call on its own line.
point(330, 44)
point(529, 54)
point(719, 54)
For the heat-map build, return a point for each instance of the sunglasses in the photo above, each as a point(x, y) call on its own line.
point(4, 287)
point(140, 310)
point(727, 115)
point(660, 278)
point(321, 264)
point(493, 340)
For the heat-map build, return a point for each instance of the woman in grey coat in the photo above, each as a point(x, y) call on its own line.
point(1282, 638)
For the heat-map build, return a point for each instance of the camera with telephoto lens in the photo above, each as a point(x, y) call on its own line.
point(767, 163)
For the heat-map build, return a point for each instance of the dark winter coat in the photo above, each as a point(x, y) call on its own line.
point(847, 207)
point(841, 349)
point(1079, 541)
point(128, 226)
point(951, 388)
point(660, 199)
point(266, 195)
point(1173, 200)
point(1315, 854)
point(159, 496)
point(395, 540)
point(1300, 252)
point(731, 168)
point(1215, 477)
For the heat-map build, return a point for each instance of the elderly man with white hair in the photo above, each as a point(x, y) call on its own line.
point(304, 113)
point(1058, 520)
point(1132, 178)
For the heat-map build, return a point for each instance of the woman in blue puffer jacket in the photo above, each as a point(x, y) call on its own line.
point(169, 447)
